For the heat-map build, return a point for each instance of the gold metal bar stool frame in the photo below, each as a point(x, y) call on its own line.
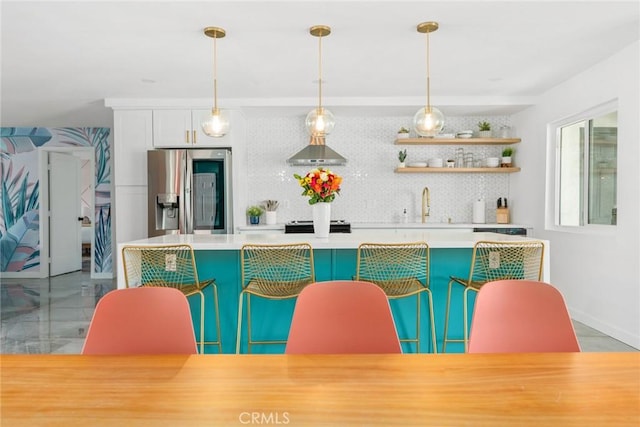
point(171, 266)
point(401, 270)
point(275, 272)
point(490, 261)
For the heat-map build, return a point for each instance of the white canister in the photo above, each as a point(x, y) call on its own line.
point(271, 217)
point(478, 211)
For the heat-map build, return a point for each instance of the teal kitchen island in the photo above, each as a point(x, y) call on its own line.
point(218, 256)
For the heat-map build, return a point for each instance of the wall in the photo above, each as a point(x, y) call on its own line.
point(597, 272)
point(19, 210)
point(371, 191)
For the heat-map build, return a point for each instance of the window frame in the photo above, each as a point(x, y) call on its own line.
point(554, 130)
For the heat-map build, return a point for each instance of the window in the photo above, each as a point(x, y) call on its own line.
point(586, 169)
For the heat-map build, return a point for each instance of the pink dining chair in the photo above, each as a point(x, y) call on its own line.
point(521, 316)
point(339, 317)
point(145, 320)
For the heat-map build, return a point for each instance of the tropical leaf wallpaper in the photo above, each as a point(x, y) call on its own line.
point(20, 193)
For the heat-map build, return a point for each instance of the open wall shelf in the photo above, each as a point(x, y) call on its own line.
point(456, 141)
point(457, 170)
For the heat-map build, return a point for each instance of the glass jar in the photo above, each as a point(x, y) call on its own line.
point(505, 131)
point(459, 157)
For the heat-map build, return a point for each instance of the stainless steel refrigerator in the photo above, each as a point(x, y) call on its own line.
point(189, 191)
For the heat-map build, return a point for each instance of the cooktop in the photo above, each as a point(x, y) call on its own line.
point(306, 226)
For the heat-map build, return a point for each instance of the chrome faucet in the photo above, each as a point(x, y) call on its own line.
point(426, 204)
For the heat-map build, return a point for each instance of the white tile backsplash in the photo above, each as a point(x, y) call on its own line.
point(371, 191)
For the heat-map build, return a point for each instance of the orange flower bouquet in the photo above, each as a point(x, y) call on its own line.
point(321, 185)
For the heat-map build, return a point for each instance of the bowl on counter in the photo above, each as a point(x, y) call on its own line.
point(493, 162)
point(417, 164)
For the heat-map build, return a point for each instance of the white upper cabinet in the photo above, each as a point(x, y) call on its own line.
point(181, 128)
point(172, 128)
point(132, 139)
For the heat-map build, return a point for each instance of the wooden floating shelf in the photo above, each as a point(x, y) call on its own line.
point(456, 141)
point(457, 170)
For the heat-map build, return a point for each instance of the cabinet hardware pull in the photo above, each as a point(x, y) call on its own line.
point(186, 136)
point(194, 136)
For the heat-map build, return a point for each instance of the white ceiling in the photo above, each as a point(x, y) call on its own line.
point(60, 60)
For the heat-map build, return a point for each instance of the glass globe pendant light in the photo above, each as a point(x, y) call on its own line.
point(319, 121)
point(428, 121)
point(217, 124)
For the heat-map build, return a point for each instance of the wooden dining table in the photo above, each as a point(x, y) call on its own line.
point(550, 389)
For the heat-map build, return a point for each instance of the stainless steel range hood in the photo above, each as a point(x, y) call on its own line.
point(316, 153)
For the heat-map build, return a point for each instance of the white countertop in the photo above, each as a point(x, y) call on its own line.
point(436, 238)
point(427, 225)
point(390, 225)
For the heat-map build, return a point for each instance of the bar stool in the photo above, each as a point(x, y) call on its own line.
point(401, 270)
point(490, 261)
point(172, 266)
point(273, 272)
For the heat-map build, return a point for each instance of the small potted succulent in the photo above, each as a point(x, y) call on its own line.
point(484, 129)
point(402, 155)
point(507, 152)
point(254, 212)
point(403, 133)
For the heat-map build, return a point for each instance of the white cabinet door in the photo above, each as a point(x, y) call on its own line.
point(172, 128)
point(130, 213)
point(132, 138)
point(130, 219)
point(201, 138)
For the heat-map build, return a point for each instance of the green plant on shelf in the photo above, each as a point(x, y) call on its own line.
point(507, 152)
point(484, 126)
point(402, 155)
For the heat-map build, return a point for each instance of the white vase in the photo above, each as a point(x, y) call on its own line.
point(270, 217)
point(321, 219)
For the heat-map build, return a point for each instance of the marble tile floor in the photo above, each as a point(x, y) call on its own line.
point(52, 315)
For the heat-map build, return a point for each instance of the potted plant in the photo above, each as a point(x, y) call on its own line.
point(254, 213)
point(403, 133)
point(484, 129)
point(507, 152)
point(402, 155)
point(270, 207)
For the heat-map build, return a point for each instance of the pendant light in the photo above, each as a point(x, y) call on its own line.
point(428, 121)
point(217, 124)
point(319, 121)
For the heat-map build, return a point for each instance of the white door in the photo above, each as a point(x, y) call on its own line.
point(65, 235)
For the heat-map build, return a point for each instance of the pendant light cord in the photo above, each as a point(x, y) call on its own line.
point(428, 75)
point(215, 75)
point(319, 74)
